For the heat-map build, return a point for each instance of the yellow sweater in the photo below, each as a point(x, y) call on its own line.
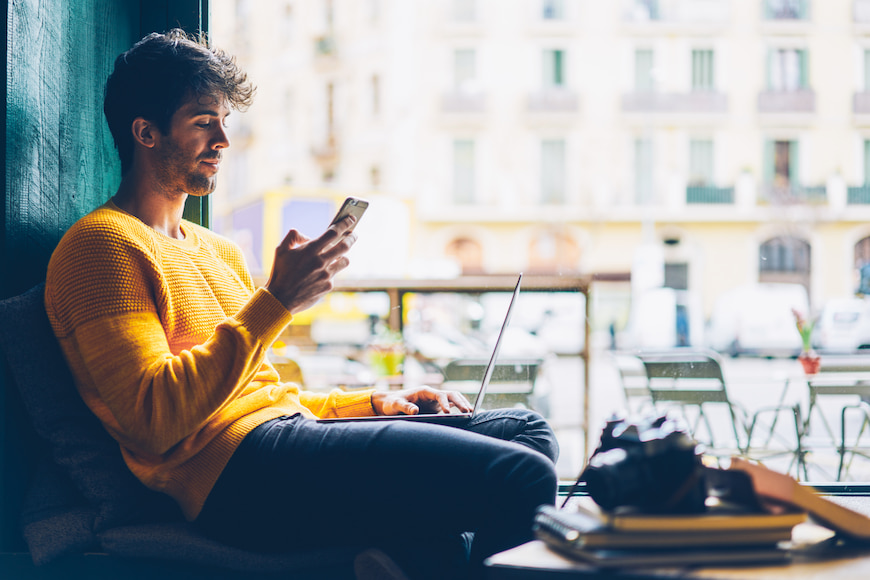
point(167, 342)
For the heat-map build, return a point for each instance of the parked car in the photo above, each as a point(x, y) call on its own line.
point(757, 319)
point(843, 326)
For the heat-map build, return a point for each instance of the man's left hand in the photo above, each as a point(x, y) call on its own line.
point(418, 400)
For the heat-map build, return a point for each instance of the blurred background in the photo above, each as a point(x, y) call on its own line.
point(702, 166)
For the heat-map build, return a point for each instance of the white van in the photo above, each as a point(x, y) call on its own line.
point(843, 326)
point(757, 319)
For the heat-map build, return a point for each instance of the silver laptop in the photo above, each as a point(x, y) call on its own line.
point(457, 417)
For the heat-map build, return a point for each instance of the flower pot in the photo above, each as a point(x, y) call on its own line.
point(810, 362)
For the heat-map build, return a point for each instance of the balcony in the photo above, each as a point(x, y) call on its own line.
point(795, 195)
point(463, 102)
point(553, 101)
point(659, 13)
point(692, 103)
point(859, 195)
point(327, 154)
point(800, 101)
point(789, 10)
point(705, 194)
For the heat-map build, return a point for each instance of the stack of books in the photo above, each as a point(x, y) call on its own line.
point(625, 539)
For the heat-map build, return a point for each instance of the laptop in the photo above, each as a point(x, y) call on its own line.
point(457, 418)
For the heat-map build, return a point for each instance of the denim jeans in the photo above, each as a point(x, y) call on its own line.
point(296, 482)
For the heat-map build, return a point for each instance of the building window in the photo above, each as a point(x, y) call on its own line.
point(643, 70)
point(643, 170)
point(784, 259)
point(553, 9)
point(703, 70)
point(464, 10)
point(676, 275)
point(781, 163)
point(554, 68)
point(866, 162)
point(867, 69)
point(786, 9)
point(700, 162)
point(553, 171)
point(463, 171)
point(464, 68)
point(376, 95)
point(787, 69)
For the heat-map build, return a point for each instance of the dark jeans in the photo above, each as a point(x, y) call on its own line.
point(296, 482)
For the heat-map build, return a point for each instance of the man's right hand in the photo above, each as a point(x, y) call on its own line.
point(303, 269)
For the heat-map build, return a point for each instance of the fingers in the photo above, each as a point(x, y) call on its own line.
point(459, 400)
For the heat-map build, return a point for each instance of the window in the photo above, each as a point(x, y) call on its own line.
point(376, 95)
point(553, 171)
point(781, 163)
point(787, 69)
point(702, 70)
point(464, 10)
point(784, 259)
point(464, 68)
point(867, 69)
point(463, 171)
point(554, 68)
point(700, 162)
point(553, 9)
point(643, 170)
point(785, 9)
point(676, 275)
point(866, 161)
point(643, 70)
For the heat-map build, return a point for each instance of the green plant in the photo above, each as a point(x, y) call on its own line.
point(805, 328)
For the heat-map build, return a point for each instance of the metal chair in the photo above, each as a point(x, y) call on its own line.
point(842, 377)
point(512, 383)
point(633, 379)
point(692, 381)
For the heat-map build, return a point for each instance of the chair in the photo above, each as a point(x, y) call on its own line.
point(692, 381)
point(512, 383)
point(634, 382)
point(842, 377)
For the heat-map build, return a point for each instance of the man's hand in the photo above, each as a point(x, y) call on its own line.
point(303, 269)
point(418, 400)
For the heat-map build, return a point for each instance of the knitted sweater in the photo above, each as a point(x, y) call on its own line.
point(167, 342)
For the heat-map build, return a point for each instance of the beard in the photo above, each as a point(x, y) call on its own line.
point(180, 172)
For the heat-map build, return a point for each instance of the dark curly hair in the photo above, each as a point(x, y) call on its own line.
point(158, 74)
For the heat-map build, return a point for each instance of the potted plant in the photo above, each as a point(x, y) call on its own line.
point(810, 361)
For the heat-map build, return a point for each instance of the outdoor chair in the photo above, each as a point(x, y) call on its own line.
point(634, 382)
point(691, 382)
point(512, 384)
point(843, 381)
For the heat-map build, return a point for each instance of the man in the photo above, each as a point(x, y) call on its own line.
point(167, 338)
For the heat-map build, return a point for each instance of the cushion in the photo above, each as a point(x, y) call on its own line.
point(76, 439)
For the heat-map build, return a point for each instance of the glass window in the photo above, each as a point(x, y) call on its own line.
point(464, 67)
point(554, 68)
point(464, 10)
point(787, 70)
point(866, 162)
point(553, 9)
point(463, 171)
point(702, 70)
point(643, 170)
point(553, 171)
point(700, 162)
point(643, 70)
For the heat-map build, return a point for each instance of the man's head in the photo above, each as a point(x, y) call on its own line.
point(158, 75)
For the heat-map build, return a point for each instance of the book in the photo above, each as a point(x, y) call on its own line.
point(783, 490)
point(640, 522)
point(629, 558)
point(587, 529)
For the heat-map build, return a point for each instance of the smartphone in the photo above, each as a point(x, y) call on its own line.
point(352, 206)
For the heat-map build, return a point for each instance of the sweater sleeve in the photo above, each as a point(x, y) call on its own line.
point(103, 301)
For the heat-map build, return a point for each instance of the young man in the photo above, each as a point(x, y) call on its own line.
point(167, 338)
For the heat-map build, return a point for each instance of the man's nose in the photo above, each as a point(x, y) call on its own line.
point(221, 140)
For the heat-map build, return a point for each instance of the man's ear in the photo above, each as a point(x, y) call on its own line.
point(144, 132)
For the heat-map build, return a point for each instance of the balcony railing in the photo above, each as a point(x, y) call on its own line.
point(786, 9)
point(795, 194)
point(676, 11)
point(696, 102)
point(704, 194)
point(463, 102)
point(859, 195)
point(800, 101)
point(861, 11)
point(554, 101)
point(861, 103)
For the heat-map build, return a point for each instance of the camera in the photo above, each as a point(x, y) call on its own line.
point(650, 464)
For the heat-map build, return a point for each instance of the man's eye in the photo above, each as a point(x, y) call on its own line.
point(204, 125)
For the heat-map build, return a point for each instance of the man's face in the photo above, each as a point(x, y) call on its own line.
point(188, 157)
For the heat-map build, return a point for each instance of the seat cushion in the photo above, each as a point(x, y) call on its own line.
point(76, 441)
